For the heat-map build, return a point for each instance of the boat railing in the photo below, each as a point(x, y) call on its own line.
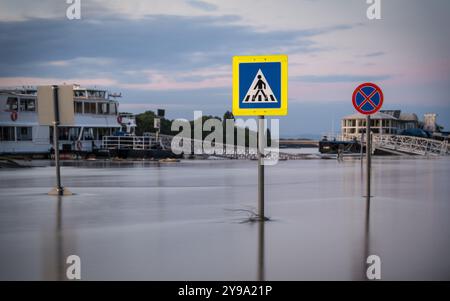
point(128, 142)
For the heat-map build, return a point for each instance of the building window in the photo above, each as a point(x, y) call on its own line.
point(7, 133)
point(11, 104)
point(27, 105)
point(24, 133)
point(78, 107)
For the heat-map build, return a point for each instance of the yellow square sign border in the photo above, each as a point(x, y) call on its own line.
point(279, 58)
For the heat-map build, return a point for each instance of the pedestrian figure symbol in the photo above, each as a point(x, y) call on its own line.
point(259, 85)
point(260, 90)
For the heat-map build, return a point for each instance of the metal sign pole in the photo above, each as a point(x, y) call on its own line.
point(368, 156)
point(260, 150)
point(59, 188)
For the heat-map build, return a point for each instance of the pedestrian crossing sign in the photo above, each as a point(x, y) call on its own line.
point(260, 85)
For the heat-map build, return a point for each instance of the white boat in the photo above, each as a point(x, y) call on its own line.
point(26, 119)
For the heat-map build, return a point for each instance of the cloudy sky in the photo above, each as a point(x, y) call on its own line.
point(176, 54)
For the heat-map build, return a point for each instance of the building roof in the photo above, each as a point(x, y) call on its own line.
point(395, 113)
point(377, 115)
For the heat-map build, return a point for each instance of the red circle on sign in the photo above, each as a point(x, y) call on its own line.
point(119, 119)
point(14, 116)
point(377, 90)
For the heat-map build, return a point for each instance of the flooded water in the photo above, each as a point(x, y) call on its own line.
point(186, 221)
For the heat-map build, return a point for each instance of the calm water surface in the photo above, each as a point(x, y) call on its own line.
point(186, 221)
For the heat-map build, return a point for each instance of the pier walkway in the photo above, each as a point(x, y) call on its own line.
point(199, 148)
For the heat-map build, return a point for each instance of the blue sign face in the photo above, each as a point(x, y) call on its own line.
point(260, 85)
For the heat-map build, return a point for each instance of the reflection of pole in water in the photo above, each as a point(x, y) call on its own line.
point(366, 237)
point(59, 242)
point(261, 270)
point(361, 150)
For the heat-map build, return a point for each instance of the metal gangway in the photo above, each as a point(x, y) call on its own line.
point(410, 145)
point(197, 147)
point(229, 151)
point(222, 150)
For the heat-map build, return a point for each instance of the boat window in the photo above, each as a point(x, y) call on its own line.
point(68, 133)
point(24, 133)
point(7, 133)
point(89, 108)
point(113, 108)
point(78, 107)
point(63, 133)
point(11, 104)
point(103, 132)
point(79, 93)
point(103, 108)
point(88, 134)
point(95, 133)
point(96, 94)
point(27, 104)
point(74, 133)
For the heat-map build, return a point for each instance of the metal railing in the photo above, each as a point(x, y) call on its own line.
point(128, 142)
point(411, 145)
point(217, 149)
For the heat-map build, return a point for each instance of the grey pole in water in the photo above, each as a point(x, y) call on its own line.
point(368, 156)
point(59, 188)
point(260, 150)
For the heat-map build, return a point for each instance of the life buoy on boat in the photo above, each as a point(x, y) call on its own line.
point(119, 119)
point(79, 145)
point(13, 115)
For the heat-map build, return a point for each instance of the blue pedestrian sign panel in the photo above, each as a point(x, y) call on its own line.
point(367, 98)
point(260, 85)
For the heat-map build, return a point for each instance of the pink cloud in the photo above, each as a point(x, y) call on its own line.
point(219, 77)
point(37, 81)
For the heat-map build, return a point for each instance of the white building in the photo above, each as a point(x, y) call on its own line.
point(382, 122)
